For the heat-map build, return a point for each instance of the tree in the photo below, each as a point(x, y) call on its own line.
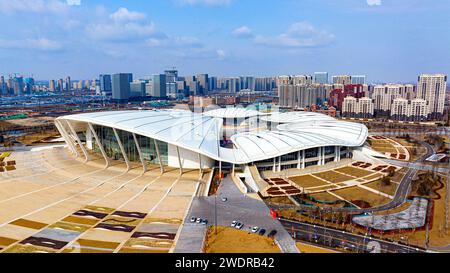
point(386, 181)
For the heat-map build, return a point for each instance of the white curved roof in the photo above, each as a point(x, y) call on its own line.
point(294, 117)
point(300, 136)
point(233, 112)
point(201, 133)
point(182, 128)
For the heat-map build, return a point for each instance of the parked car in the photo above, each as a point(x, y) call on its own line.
point(199, 220)
point(239, 225)
point(262, 232)
point(272, 233)
point(193, 219)
point(255, 229)
point(224, 199)
point(204, 222)
point(234, 223)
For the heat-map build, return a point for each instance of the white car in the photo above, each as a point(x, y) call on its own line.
point(193, 219)
point(255, 229)
point(199, 220)
point(234, 223)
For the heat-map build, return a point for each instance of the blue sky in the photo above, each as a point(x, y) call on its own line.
point(388, 40)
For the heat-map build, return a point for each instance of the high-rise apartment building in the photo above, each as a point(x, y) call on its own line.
point(342, 79)
point(432, 88)
point(357, 108)
point(105, 84)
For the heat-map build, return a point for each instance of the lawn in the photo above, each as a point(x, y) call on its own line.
point(305, 248)
point(324, 196)
point(379, 186)
point(333, 177)
point(231, 240)
point(354, 171)
point(383, 146)
point(356, 193)
point(307, 181)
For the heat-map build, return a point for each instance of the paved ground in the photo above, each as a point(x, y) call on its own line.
point(55, 203)
point(240, 207)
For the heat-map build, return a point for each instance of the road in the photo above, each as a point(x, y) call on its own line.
point(250, 211)
point(338, 239)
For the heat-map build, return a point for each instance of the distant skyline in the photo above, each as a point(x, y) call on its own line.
point(387, 40)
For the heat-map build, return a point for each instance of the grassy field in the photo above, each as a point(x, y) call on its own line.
point(231, 240)
point(307, 181)
point(356, 193)
point(305, 248)
point(333, 177)
point(379, 186)
point(324, 196)
point(382, 146)
point(354, 171)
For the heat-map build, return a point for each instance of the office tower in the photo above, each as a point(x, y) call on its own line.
point(203, 82)
point(137, 89)
point(51, 86)
point(18, 85)
point(358, 79)
point(321, 77)
point(159, 86)
point(357, 108)
point(121, 86)
point(212, 84)
point(432, 88)
point(342, 79)
point(68, 84)
point(29, 85)
point(171, 75)
point(59, 86)
point(105, 84)
point(3, 87)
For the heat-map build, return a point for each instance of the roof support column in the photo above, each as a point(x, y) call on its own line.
point(141, 157)
point(336, 151)
point(303, 159)
point(70, 140)
point(220, 169)
point(161, 166)
point(200, 163)
point(100, 145)
point(279, 164)
point(319, 155)
point(75, 135)
point(274, 165)
point(66, 138)
point(299, 160)
point(122, 149)
point(179, 161)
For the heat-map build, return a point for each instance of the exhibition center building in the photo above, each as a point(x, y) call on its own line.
point(225, 138)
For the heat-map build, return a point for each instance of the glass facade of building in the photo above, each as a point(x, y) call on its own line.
point(146, 144)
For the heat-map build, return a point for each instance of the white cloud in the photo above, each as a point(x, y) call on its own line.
point(243, 32)
point(374, 2)
point(124, 15)
point(165, 41)
point(73, 2)
point(116, 32)
point(35, 6)
point(298, 35)
point(205, 2)
point(43, 44)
